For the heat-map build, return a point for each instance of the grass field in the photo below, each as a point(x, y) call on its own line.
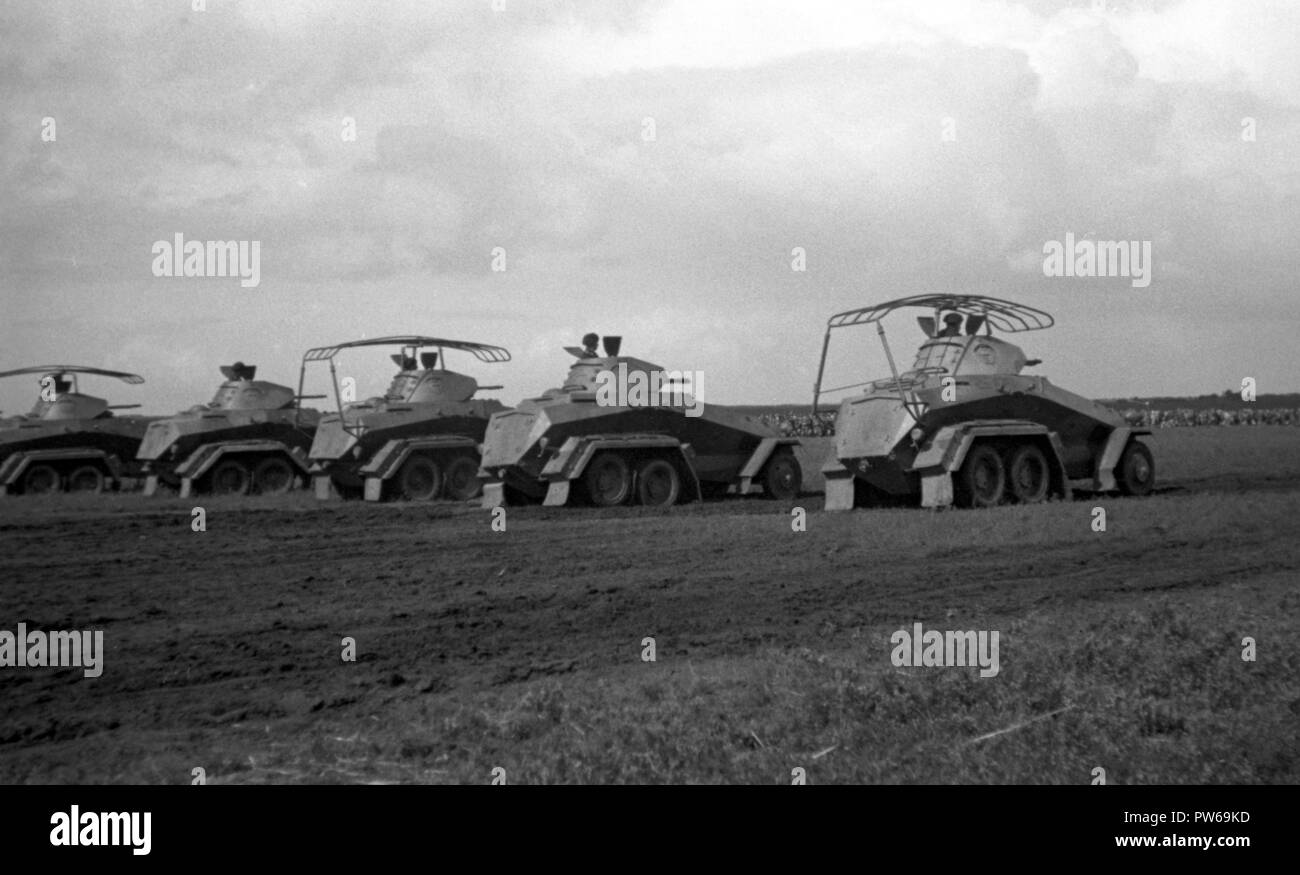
point(523, 650)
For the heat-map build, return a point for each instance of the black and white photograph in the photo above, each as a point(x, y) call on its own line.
point(445, 394)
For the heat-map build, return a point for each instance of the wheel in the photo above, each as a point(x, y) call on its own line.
point(230, 477)
point(983, 478)
point(658, 484)
point(782, 476)
point(1028, 474)
point(609, 482)
point(273, 476)
point(1136, 472)
point(40, 480)
point(462, 478)
point(87, 478)
point(420, 479)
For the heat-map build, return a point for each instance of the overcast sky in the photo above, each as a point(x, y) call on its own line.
point(524, 126)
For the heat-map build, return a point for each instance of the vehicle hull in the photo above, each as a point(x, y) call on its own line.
point(519, 443)
point(116, 438)
point(169, 442)
point(874, 434)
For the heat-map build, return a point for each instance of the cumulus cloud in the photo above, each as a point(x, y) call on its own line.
point(649, 169)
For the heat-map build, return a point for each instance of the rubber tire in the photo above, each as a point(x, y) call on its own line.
point(1024, 460)
point(420, 479)
point(462, 483)
point(32, 483)
point(96, 484)
point(1135, 472)
point(230, 477)
point(982, 458)
point(282, 482)
point(782, 476)
point(608, 480)
point(658, 484)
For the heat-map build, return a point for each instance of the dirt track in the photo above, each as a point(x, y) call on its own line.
point(224, 641)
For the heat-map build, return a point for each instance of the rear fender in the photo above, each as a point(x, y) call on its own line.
point(1103, 477)
point(754, 466)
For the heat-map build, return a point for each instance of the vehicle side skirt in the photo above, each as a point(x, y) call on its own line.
point(17, 464)
point(947, 451)
point(575, 453)
point(202, 460)
point(393, 455)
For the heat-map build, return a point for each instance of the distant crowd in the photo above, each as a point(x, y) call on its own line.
point(823, 424)
point(802, 424)
point(1184, 417)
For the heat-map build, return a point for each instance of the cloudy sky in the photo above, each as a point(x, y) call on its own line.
point(649, 169)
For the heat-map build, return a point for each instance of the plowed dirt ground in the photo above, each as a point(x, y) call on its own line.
point(523, 650)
